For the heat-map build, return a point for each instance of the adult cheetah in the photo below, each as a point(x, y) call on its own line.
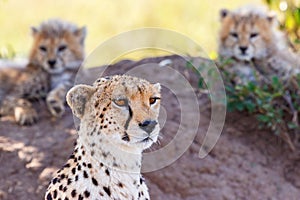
point(119, 119)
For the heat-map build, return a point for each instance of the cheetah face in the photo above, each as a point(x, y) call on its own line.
point(57, 45)
point(245, 36)
point(121, 109)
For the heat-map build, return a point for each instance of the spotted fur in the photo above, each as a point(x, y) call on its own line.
point(250, 37)
point(56, 55)
point(119, 119)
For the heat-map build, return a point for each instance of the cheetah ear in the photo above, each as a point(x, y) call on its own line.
point(77, 98)
point(224, 13)
point(34, 31)
point(81, 34)
point(272, 18)
point(157, 86)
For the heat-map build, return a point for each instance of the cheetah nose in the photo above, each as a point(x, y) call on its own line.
point(243, 49)
point(148, 125)
point(51, 63)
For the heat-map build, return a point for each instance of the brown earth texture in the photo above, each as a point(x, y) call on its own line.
point(246, 163)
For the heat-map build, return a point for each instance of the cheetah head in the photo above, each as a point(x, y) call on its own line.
point(57, 45)
point(121, 109)
point(248, 33)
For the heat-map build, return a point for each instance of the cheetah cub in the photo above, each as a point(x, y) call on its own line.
point(119, 119)
point(55, 57)
point(250, 37)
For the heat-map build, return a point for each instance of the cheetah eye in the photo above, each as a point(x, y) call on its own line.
point(234, 34)
point(62, 48)
point(153, 100)
point(253, 35)
point(121, 102)
point(43, 48)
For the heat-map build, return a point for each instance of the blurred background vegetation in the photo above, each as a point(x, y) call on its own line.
point(198, 19)
point(288, 12)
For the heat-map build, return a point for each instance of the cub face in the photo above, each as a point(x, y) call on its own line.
point(57, 45)
point(121, 109)
point(246, 34)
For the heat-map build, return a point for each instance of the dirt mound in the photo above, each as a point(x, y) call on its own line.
point(245, 163)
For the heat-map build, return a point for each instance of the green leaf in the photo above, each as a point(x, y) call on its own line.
point(263, 118)
point(189, 64)
point(297, 41)
point(250, 106)
point(267, 106)
point(297, 16)
point(201, 83)
point(251, 86)
point(239, 106)
point(229, 89)
point(292, 125)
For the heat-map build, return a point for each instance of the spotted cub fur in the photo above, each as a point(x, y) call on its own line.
point(119, 119)
point(249, 36)
point(56, 55)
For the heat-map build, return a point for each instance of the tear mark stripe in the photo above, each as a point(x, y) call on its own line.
point(129, 118)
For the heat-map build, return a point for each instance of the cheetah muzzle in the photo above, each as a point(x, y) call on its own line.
point(118, 120)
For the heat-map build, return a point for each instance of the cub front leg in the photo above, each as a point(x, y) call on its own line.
point(56, 100)
point(21, 109)
point(24, 113)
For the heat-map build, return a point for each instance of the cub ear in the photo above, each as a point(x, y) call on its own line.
point(34, 31)
point(77, 98)
point(224, 13)
point(81, 34)
point(272, 17)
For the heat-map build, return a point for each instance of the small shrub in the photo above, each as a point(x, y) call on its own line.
point(275, 104)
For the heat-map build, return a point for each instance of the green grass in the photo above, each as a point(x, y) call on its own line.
point(198, 19)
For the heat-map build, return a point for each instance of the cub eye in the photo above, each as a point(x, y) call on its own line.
point(153, 100)
point(121, 102)
point(43, 48)
point(62, 48)
point(234, 34)
point(253, 35)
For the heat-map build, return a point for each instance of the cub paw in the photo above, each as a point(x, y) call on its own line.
point(25, 116)
point(56, 107)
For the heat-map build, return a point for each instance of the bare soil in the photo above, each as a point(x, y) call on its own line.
point(246, 163)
